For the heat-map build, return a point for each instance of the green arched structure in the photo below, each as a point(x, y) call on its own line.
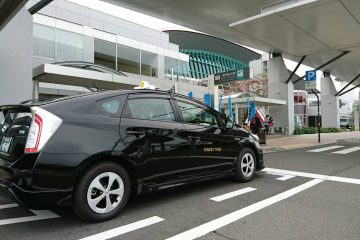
point(203, 63)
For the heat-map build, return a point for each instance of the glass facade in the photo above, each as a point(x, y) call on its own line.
point(171, 68)
point(62, 45)
point(128, 59)
point(300, 107)
point(69, 46)
point(149, 64)
point(105, 53)
point(43, 41)
point(184, 70)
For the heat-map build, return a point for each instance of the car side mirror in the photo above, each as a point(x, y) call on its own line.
point(229, 124)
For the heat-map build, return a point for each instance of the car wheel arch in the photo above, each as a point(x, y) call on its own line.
point(108, 157)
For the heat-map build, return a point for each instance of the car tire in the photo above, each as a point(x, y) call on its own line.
point(95, 199)
point(245, 166)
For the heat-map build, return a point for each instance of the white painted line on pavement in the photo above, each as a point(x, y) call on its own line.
point(124, 229)
point(312, 175)
point(283, 176)
point(348, 150)
point(325, 149)
point(237, 215)
point(40, 215)
point(232, 194)
point(11, 205)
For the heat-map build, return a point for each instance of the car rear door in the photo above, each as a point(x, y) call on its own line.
point(211, 149)
point(14, 129)
point(153, 138)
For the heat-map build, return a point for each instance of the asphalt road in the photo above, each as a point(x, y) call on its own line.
point(296, 197)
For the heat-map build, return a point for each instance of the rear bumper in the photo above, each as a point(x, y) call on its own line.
point(31, 199)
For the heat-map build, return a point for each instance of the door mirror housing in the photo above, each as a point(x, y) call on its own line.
point(229, 124)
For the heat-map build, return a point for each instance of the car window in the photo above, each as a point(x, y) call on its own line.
point(196, 115)
point(150, 109)
point(113, 106)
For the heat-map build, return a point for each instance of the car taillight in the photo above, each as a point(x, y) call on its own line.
point(42, 128)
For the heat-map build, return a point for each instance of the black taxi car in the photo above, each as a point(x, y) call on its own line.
point(92, 151)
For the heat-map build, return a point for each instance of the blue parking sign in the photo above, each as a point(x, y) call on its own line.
point(310, 75)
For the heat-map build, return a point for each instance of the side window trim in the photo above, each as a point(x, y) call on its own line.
point(176, 109)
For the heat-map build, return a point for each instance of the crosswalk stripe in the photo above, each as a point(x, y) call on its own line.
point(232, 194)
point(325, 149)
point(348, 150)
point(124, 229)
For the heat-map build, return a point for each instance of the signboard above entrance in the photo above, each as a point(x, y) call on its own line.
point(233, 75)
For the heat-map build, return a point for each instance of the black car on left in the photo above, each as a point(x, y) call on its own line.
point(92, 151)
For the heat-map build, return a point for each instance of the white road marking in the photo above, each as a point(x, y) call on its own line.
point(232, 194)
point(312, 175)
point(237, 215)
point(39, 215)
point(11, 205)
point(124, 229)
point(348, 150)
point(325, 149)
point(283, 176)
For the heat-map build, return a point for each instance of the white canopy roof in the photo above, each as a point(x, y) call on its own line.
point(320, 29)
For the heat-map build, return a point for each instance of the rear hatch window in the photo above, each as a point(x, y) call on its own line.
point(14, 128)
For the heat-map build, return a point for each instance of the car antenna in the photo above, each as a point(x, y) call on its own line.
point(97, 89)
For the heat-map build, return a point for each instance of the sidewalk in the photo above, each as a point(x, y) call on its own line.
point(276, 143)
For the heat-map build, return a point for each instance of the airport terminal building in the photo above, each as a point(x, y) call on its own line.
point(76, 49)
point(66, 49)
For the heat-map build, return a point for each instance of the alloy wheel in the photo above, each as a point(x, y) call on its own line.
point(247, 164)
point(105, 192)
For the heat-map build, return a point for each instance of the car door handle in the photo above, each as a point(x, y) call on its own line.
point(194, 138)
point(136, 134)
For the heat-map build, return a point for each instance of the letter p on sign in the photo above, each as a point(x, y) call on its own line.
point(310, 75)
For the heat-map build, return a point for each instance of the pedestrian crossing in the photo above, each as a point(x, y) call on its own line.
point(348, 150)
point(339, 149)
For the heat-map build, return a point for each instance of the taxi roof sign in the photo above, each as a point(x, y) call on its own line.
point(145, 85)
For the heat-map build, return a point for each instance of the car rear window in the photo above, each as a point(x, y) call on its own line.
point(113, 106)
point(158, 109)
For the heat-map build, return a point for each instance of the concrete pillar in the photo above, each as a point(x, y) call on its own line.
point(330, 115)
point(35, 89)
point(278, 89)
point(16, 40)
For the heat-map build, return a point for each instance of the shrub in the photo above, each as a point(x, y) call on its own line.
point(300, 131)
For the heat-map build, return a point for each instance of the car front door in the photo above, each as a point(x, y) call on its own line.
point(153, 138)
point(211, 149)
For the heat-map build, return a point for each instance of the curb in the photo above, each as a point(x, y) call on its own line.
point(284, 148)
